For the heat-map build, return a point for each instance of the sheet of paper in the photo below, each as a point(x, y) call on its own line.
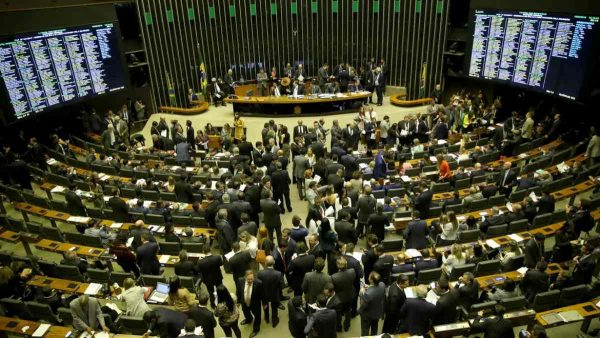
point(410, 292)
point(330, 211)
point(492, 244)
point(229, 255)
point(147, 204)
point(116, 225)
point(533, 197)
point(58, 189)
point(571, 316)
point(164, 259)
point(412, 253)
point(358, 256)
point(41, 330)
point(317, 178)
point(129, 241)
point(509, 206)
point(93, 289)
point(516, 237)
point(522, 270)
point(114, 307)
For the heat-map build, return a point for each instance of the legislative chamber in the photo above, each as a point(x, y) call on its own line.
point(323, 168)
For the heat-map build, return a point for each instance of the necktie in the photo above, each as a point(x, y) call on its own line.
point(248, 293)
point(504, 180)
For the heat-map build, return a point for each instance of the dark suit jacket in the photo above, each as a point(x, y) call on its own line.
point(146, 258)
point(271, 213)
point(582, 274)
point(365, 206)
point(494, 327)
point(204, 318)
point(183, 191)
point(239, 263)
point(415, 234)
point(417, 314)
point(378, 224)
point(383, 266)
point(423, 203)
point(186, 268)
point(120, 209)
point(371, 302)
point(468, 294)
point(300, 130)
point(510, 178)
point(394, 300)
point(272, 282)
point(426, 264)
point(368, 260)
point(74, 204)
point(346, 232)
point(545, 204)
point(323, 322)
point(349, 162)
point(250, 227)
point(169, 322)
point(299, 267)
point(297, 320)
point(533, 253)
point(445, 308)
point(256, 298)
point(533, 282)
point(210, 269)
point(226, 236)
point(344, 285)
point(280, 180)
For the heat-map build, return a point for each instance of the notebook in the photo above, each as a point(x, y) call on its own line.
point(161, 293)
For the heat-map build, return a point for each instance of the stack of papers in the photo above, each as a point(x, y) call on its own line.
point(229, 255)
point(52, 161)
point(114, 306)
point(93, 289)
point(533, 197)
point(164, 259)
point(492, 244)
point(515, 237)
point(565, 316)
point(405, 178)
point(509, 206)
point(412, 253)
point(522, 270)
point(79, 219)
point(410, 292)
point(58, 189)
point(562, 167)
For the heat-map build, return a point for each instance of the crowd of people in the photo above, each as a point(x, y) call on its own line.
point(319, 258)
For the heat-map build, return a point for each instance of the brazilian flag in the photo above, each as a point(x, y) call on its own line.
point(171, 91)
point(203, 78)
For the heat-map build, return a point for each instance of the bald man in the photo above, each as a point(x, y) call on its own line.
point(272, 284)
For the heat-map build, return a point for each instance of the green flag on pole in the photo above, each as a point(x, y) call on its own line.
point(171, 91)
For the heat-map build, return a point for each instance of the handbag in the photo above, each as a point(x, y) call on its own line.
point(261, 256)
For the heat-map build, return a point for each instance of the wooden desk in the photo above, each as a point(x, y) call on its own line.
point(17, 326)
point(64, 285)
point(398, 100)
point(60, 247)
point(499, 278)
point(532, 153)
point(587, 310)
point(284, 105)
point(199, 107)
point(8, 235)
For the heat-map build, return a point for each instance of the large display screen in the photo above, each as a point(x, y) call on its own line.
point(45, 69)
point(542, 51)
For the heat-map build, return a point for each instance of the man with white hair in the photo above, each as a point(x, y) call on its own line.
point(418, 313)
point(217, 93)
point(378, 81)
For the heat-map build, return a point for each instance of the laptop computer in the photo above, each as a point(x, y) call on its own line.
point(160, 294)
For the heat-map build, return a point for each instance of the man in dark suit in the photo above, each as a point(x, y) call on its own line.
point(74, 204)
point(297, 318)
point(146, 256)
point(322, 322)
point(343, 281)
point(535, 281)
point(185, 267)
point(372, 298)
point(384, 263)
point(354, 264)
point(534, 250)
point(365, 206)
point(165, 323)
point(585, 265)
point(492, 220)
point(369, 257)
point(299, 267)
point(440, 131)
point(272, 283)
point(225, 232)
point(416, 232)
point(426, 263)
point(496, 326)
point(300, 130)
point(445, 308)
point(350, 164)
point(239, 262)
point(247, 225)
point(189, 330)
point(271, 214)
point(506, 180)
point(394, 300)
point(336, 179)
point(183, 190)
point(250, 294)
point(417, 313)
point(280, 180)
point(351, 135)
point(203, 317)
point(119, 207)
point(209, 269)
point(423, 201)
point(344, 228)
point(468, 290)
point(546, 203)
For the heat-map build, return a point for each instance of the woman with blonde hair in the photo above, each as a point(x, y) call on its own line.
point(264, 243)
point(250, 243)
point(170, 186)
point(507, 255)
point(456, 257)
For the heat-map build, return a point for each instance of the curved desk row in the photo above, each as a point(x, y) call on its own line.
point(399, 100)
point(285, 105)
point(200, 107)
